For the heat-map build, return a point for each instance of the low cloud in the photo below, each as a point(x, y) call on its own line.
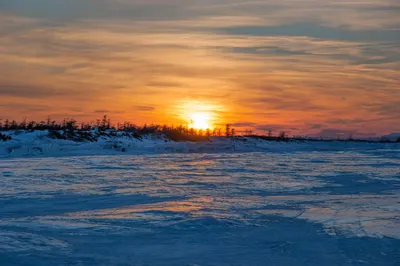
point(105, 111)
point(315, 126)
point(335, 133)
point(274, 127)
point(144, 108)
point(27, 91)
point(244, 124)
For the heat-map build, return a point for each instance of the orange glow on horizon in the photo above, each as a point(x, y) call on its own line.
point(200, 114)
point(184, 72)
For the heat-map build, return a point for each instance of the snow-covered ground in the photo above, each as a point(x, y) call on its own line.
point(216, 203)
point(39, 144)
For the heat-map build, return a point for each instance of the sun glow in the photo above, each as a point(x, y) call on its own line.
point(200, 121)
point(199, 114)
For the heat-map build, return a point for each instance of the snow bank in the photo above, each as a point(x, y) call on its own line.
point(43, 144)
point(40, 143)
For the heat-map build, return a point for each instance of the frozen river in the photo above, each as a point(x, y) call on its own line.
point(265, 208)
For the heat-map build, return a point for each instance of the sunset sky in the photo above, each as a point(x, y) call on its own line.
point(304, 66)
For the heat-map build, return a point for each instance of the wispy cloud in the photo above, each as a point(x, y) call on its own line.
point(290, 63)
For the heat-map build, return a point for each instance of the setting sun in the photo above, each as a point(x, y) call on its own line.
point(200, 121)
point(198, 114)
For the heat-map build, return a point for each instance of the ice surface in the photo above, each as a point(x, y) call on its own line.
point(285, 204)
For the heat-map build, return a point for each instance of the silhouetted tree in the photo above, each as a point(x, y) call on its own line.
point(6, 125)
point(248, 132)
point(228, 130)
point(70, 124)
point(13, 125)
point(23, 124)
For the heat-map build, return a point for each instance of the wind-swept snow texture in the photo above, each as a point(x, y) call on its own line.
point(291, 204)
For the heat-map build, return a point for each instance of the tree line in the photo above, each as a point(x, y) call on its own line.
point(105, 124)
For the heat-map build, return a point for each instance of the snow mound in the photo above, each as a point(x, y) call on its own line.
point(53, 144)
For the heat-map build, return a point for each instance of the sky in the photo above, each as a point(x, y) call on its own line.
point(307, 67)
